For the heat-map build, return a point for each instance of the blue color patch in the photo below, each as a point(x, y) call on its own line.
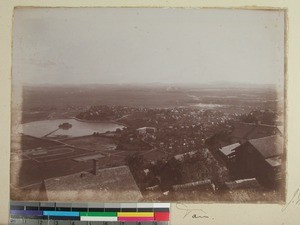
point(61, 213)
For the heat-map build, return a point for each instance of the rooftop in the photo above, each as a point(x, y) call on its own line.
point(281, 129)
point(269, 146)
point(244, 183)
point(252, 130)
point(197, 184)
point(88, 157)
point(274, 161)
point(110, 184)
point(180, 157)
point(227, 150)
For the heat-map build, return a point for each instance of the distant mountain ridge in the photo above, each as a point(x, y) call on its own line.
point(218, 84)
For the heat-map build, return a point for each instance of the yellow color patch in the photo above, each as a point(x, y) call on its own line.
point(135, 214)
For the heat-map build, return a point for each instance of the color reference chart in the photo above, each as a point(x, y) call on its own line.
point(50, 213)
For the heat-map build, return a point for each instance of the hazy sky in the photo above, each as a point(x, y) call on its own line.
point(126, 45)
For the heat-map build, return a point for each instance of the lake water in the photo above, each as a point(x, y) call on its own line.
point(79, 128)
point(208, 106)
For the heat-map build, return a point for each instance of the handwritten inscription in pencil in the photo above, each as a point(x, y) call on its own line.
point(295, 200)
point(195, 213)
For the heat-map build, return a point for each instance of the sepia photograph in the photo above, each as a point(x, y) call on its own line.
point(148, 105)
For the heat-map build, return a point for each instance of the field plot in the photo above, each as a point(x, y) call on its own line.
point(25, 142)
point(42, 164)
point(34, 172)
point(43, 155)
point(89, 157)
point(71, 156)
point(53, 154)
point(92, 143)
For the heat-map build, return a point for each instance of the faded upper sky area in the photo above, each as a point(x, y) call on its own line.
point(140, 45)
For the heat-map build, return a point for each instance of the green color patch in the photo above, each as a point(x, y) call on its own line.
point(104, 214)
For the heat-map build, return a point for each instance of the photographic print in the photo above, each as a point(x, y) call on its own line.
point(148, 104)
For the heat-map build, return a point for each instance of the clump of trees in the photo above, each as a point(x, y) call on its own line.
point(262, 116)
point(200, 165)
point(193, 167)
point(136, 164)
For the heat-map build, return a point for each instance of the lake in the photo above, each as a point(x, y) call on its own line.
point(209, 105)
point(79, 128)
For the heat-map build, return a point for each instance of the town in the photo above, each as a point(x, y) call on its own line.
point(166, 154)
point(194, 147)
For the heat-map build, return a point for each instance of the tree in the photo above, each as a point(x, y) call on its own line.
point(135, 161)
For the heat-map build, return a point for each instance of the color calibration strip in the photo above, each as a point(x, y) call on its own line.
point(105, 212)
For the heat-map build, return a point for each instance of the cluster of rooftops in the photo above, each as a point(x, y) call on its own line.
point(104, 184)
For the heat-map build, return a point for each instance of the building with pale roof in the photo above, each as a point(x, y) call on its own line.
point(228, 152)
point(101, 185)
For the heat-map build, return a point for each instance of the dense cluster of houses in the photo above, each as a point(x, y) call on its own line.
point(242, 155)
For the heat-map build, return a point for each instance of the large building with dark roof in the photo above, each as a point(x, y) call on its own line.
point(261, 158)
point(243, 132)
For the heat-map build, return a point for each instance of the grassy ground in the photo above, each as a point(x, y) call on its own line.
point(92, 143)
point(24, 142)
